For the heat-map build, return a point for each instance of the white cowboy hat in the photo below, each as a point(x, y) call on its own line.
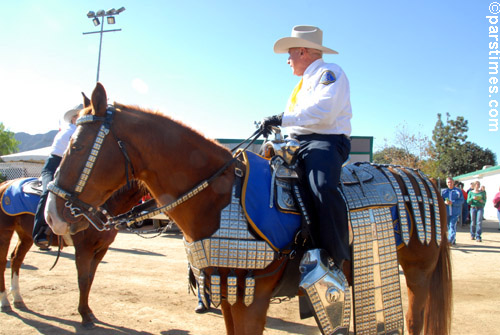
point(72, 112)
point(303, 37)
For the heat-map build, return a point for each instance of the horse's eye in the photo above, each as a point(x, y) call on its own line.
point(76, 147)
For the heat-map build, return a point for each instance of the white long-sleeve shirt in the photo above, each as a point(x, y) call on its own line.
point(323, 104)
point(61, 140)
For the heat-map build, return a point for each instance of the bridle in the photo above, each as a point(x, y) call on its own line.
point(80, 208)
point(76, 206)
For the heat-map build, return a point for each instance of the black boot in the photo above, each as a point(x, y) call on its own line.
point(200, 308)
point(41, 240)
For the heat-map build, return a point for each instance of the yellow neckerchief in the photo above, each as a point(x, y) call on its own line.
point(293, 98)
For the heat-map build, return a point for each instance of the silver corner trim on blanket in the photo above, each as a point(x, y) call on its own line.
point(231, 246)
point(228, 253)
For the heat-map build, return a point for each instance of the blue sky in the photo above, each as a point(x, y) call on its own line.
point(212, 66)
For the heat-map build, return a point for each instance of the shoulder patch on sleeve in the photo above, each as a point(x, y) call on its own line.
point(328, 77)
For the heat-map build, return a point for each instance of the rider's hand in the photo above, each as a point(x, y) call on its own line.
point(270, 121)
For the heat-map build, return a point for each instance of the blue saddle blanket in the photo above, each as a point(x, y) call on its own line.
point(275, 227)
point(16, 202)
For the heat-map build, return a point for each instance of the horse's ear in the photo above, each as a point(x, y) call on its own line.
point(99, 100)
point(86, 101)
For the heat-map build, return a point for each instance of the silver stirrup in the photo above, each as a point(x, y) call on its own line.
point(327, 291)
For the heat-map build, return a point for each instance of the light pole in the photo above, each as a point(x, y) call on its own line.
point(110, 19)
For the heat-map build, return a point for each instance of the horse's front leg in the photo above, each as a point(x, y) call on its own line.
point(17, 257)
point(250, 320)
point(228, 317)
point(83, 259)
point(5, 236)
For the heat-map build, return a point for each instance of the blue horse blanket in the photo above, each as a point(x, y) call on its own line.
point(275, 227)
point(16, 202)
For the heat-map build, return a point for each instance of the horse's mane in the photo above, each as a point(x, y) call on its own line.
point(192, 133)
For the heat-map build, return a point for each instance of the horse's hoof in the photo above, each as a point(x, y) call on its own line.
point(88, 325)
point(6, 309)
point(20, 305)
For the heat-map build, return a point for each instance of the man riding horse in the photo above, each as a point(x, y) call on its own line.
point(318, 115)
point(241, 270)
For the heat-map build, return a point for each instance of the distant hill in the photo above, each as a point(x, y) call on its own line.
point(32, 142)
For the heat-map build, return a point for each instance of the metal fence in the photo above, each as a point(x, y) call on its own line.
point(13, 170)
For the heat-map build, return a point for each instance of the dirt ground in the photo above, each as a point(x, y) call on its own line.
point(141, 288)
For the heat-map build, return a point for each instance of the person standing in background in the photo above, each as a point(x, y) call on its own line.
point(477, 200)
point(496, 204)
point(464, 216)
point(454, 199)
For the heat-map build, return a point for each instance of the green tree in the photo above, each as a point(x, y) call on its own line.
point(468, 157)
point(450, 136)
point(453, 154)
point(8, 144)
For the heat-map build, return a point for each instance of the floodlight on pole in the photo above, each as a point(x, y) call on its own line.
point(110, 19)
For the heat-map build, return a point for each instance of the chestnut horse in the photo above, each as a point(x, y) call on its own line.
point(90, 248)
point(171, 159)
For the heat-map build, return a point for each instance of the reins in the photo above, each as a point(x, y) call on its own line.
point(130, 217)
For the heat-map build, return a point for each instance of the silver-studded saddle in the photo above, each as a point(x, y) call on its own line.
point(380, 199)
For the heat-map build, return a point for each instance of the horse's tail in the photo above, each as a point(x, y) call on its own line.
point(437, 313)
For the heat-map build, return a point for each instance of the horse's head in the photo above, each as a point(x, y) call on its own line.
point(94, 151)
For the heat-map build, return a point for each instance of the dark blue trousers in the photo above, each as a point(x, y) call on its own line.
point(320, 162)
point(48, 171)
